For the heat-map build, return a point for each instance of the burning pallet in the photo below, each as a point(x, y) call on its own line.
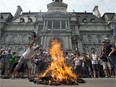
point(47, 80)
point(58, 72)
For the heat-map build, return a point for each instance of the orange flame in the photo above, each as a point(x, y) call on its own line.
point(59, 70)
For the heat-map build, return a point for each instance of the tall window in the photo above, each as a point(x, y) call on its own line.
point(92, 20)
point(40, 26)
point(56, 24)
point(49, 24)
point(22, 20)
point(30, 20)
point(84, 20)
point(63, 25)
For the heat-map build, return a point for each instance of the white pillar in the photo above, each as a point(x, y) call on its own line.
point(60, 25)
point(70, 42)
point(44, 25)
point(52, 25)
point(67, 44)
point(41, 40)
point(47, 25)
point(80, 47)
point(44, 42)
point(66, 24)
point(77, 30)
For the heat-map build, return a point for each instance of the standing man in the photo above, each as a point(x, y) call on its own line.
point(110, 52)
point(95, 64)
point(77, 65)
point(27, 56)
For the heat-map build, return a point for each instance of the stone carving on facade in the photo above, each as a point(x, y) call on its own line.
point(7, 38)
point(15, 38)
point(20, 50)
point(23, 39)
point(75, 41)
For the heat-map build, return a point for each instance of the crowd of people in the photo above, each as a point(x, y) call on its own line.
point(33, 62)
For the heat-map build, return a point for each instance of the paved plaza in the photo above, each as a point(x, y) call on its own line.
point(90, 82)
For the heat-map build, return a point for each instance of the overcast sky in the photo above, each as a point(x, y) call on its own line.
point(77, 5)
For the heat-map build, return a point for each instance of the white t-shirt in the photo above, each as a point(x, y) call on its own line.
point(29, 53)
point(77, 61)
point(94, 59)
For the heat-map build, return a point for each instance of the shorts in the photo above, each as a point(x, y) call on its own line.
point(95, 67)
point(4, 66)
point(106, 65)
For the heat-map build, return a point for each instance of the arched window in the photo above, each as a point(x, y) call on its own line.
point(30, 19)
point(92, 20)
point(84, 20)
point(22, 20)
point(56, 24)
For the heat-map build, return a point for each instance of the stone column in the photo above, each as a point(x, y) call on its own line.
point(41, 40)
point(44, 42)
point(44, 27)
point(60, 25)
point(66, 24)
point(0, 31)
point(70, 43)
point(76, 30)
point(66, 42)
point(52, 25)
point(80, 46)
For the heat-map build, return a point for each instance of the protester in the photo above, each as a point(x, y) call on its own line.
point(12, 62)
point(77, 65)
point(5, 57)
point(110, 53)
point(105, 63)
point(95, 65)
point(26, 57)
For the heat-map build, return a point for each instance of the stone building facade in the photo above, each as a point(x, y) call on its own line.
point(80, 30)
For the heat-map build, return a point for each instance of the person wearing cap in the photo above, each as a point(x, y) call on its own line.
point(26, 57)
point(110, 53)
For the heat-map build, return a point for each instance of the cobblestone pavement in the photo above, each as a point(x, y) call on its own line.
point(90, 82)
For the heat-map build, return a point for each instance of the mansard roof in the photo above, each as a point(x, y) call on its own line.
point(109, 15)
point(7, 16)
point(88, 16)
point(79, 15)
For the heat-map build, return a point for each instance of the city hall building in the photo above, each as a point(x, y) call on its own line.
point(81, 30)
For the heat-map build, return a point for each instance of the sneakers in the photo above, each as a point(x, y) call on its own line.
point(12, 77)
point(106, 76)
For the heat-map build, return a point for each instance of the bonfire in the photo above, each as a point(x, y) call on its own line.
point(57, 72)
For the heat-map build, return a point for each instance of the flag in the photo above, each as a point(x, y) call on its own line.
point(96, 12)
